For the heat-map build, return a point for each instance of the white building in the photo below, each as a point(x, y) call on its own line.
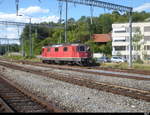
point(120, 40)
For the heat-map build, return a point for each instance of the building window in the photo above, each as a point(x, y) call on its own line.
point(147, 29)
point(146, 38)
point(134, 29)
point(144, 47)
point(65, 49)
point(136, 47)
point(120, 48)
point(127, 38)
point(119, 40)
point(119, 31)
point(56, 49)
point(147, 47)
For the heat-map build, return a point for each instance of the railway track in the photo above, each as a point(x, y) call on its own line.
point(85, 70)
point(99, 71)
point(14, 99)
point(134, 71)
point(115, 89)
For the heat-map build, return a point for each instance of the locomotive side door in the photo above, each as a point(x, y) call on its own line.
point(73, 54)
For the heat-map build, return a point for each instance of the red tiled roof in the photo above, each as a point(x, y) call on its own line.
point(101, 37)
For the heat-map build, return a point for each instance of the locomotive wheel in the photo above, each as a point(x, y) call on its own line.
point(43, 61)
point(80, 63)
point(49, 62)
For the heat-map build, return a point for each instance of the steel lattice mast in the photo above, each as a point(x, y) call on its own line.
point(23, 24)
point(110, 6)
point(101, 4)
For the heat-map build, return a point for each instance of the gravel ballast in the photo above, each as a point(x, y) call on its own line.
point(138, 84)
point(74, 98)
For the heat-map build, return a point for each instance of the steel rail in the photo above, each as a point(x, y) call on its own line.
point(4, 107)
point(18, 96)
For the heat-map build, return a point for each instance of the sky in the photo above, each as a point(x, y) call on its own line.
point(48, 10)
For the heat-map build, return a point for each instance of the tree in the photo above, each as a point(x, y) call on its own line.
point(137, 41)
point(105, 22)
point(79, 31)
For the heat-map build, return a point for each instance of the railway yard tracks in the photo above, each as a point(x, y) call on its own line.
point(99, 72)
point(14, 99)
point(115, 89)
point(126, 73)
point(68, 67)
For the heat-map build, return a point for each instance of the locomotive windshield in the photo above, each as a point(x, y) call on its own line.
point(83, 48)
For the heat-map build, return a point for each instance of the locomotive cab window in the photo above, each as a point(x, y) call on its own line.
point(65, 49)
point(56, 49)
point(81, 48)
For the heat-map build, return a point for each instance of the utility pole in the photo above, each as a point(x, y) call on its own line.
point(60, 14)
point(30, 37)
point(22, 46)
point(8, 46)
point(91, 25)
point(0, 48)
point(17, 7)
point(91, 10)
point(66, 21)
point(36, 34)
point(130, 39)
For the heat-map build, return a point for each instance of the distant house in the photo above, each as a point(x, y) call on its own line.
point(101, 38)
point(120, 40)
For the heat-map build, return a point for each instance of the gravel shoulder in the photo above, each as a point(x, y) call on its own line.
point(74, 98)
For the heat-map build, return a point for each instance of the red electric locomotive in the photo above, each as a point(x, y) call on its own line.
point(67, 54)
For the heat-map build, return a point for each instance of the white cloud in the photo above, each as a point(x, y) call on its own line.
point(45, 19)
point(14, 32)
point(33, 10)
point(143, 7)
point(25, 19)
point(10, 31)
